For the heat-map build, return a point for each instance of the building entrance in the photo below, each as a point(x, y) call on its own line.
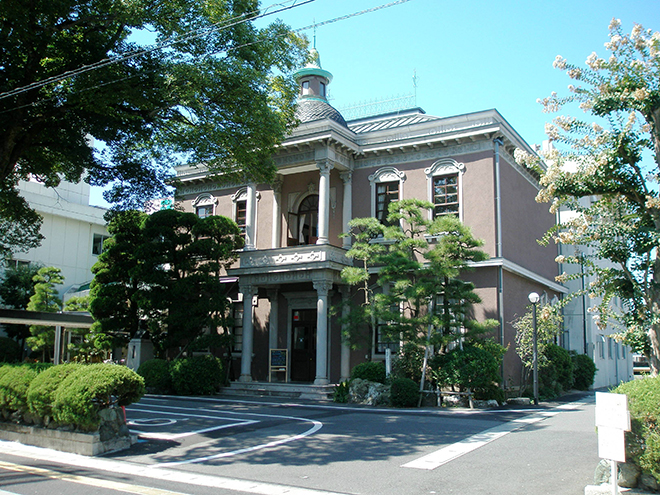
point(303, 345)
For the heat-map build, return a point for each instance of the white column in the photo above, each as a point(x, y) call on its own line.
point(345, 349)
point(250, 216)
point(277, 214)
point(347, 215)
point(322, 289)
point(273, 296)
point(324, 201)
point(248, 292)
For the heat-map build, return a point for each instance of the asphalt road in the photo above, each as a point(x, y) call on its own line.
point(210, 445)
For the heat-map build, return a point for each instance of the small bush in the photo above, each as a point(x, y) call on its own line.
point(93, 387)
point(584, 371)
point(371, 371)
point(198, 375)
point(41, 393)
point(643, 441)
point(341, 393)
point(156, 374)
point(14, 384)
point(10, 351)
point(404, 392)
point(556, 374)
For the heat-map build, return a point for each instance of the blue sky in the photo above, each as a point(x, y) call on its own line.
point(468, 55)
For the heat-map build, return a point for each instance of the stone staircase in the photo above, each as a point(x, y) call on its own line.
point(304, 391)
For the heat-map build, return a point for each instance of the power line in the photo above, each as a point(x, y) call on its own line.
point(167, 43)
point(106, 62)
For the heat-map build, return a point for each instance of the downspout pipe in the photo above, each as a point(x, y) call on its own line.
point(498, 243)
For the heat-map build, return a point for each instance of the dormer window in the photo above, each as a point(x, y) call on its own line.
point(305, 88)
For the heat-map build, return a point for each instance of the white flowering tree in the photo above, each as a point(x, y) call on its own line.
point(606, 168)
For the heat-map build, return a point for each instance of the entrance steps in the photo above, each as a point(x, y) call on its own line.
point(306, 391)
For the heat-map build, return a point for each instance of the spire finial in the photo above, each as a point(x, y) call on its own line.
point(315, 33)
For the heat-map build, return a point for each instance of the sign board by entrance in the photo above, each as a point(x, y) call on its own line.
point(278, 361)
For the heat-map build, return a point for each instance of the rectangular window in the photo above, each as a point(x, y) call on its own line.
point(241, 216)
point(386, 193)
point(383, 342)
point(237, 315)
point(609, 348)
point(97, 243)
point(445, 195)
point(204, 211)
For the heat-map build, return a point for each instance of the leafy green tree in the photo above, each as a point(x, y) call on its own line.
point(421, 296)
point(45, 299)
point(161, 273)
point(607, 171)
point(16, 288)
point(212, 88)
point(88, 345)
point(549, 321)
point(115, 290)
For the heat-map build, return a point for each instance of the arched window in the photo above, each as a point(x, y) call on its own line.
point(386, 187)
point(445, 191)
point(204, 205)
point(308, 220)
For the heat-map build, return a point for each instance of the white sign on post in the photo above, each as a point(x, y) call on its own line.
point(612, 421)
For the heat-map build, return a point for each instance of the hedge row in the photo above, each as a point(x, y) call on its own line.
point(67, 394)
point(643, 441)
point(198, 375)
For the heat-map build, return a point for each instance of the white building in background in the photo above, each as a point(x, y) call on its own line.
point(73, 232)
point(614, 360)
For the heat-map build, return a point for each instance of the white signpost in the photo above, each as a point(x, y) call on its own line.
point(612, 421)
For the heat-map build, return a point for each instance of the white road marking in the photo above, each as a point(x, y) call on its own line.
point(316, 426)
point(174, 436)
point(458, 449)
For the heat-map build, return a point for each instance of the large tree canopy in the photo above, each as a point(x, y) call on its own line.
point(213, 89)
point(607, 172)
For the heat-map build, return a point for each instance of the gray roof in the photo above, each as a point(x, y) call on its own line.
point(310, 110)
point(389, 121)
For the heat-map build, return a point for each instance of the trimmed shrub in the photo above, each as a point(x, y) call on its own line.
point(92, 387)
point(643, 441)
point(41, 393)
point(371, 371)
point(10, 351)
point(556, 372)
point(584, 371)
point(475, 367)
point(198, 375)
point(404, 392)
point(14, 384)
point(157, 376)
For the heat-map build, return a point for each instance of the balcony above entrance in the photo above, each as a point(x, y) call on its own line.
point(291, 259)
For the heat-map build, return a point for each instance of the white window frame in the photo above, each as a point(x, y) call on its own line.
point(205, 199)
point(242, 195)
point(445, 166)
point(385, 174)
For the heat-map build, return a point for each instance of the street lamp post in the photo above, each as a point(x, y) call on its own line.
point(534, 299)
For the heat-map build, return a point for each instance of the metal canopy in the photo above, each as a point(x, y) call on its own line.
point(64, 319)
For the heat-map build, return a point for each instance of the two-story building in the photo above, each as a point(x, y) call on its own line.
point(330, 171)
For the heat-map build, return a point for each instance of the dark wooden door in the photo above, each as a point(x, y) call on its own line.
point(303, 345)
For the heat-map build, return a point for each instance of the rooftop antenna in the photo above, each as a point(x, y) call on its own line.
point(414, 81)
